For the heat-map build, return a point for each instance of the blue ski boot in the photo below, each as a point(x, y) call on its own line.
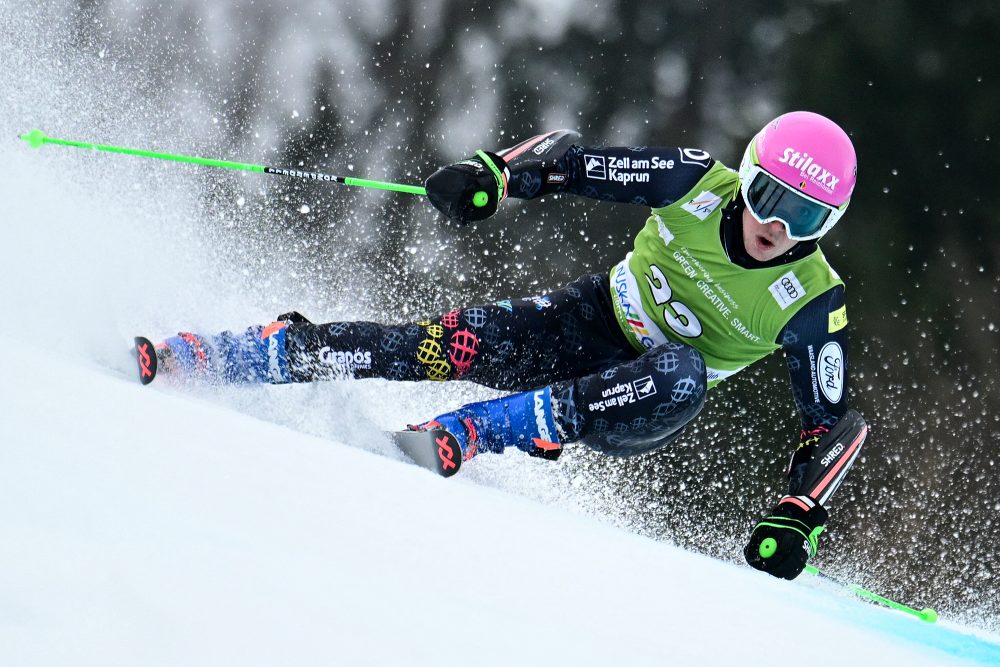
point(255, 356)
point(525, 421)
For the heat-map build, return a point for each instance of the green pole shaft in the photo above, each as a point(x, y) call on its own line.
point(380, 185)
point(36, 138)
point(927, 614)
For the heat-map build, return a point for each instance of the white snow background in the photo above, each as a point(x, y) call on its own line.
point(274, 525)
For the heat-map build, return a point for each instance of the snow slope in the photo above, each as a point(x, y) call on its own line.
point(142, 526)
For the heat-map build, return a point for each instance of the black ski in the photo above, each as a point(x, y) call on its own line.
point(145, 357)
point(436, 450)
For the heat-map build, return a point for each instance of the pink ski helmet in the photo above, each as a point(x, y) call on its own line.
point(799, 170)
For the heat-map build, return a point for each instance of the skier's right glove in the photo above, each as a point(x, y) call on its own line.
point(469, 190)
point(781, 543)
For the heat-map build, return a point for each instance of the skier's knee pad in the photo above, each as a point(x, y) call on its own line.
point(638, 406)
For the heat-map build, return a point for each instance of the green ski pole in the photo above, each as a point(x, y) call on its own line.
point(927, 614)
point(37, 138)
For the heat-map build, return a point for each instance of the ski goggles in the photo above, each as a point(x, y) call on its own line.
point(771, 200)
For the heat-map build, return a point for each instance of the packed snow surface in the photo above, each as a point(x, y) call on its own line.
point(146, 526)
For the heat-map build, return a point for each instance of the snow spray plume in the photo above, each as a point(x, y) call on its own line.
point(36, 138)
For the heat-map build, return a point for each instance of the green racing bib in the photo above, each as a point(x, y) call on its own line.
point(679, 285)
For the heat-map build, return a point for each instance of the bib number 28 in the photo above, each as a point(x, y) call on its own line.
point(677, 316)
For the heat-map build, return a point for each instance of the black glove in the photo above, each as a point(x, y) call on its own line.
point(782, 542)
point(471, 189)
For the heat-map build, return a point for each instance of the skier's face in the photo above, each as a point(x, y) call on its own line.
point(764, 241)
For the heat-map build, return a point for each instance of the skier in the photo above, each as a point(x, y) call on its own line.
point(725, 271)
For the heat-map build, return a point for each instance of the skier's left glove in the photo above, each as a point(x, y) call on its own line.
point(783, 541)
point(469, 190)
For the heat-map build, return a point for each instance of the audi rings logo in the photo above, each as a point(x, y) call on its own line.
point(787, 289)
point(790, 288)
